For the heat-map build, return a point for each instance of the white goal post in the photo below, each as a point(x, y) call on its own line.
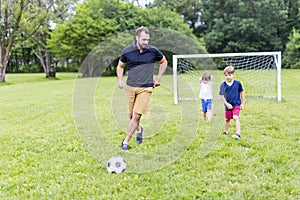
point(260, 71)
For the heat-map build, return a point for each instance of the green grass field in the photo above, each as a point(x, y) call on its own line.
point(45, 154)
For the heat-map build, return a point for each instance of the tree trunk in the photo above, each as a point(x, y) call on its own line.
point(2, 73)
point(45, 60)
point(52, 72)
point(5, 49)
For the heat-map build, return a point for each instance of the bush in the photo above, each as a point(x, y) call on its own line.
point(291, 57)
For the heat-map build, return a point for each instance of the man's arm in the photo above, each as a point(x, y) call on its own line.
point(120, 72)
point(162, 68)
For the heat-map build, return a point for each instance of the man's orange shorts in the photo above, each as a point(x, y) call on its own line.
point(138, 99)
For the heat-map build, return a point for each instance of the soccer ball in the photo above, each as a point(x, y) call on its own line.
point(116, 164)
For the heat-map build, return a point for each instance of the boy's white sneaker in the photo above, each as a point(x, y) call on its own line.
point(236, 136)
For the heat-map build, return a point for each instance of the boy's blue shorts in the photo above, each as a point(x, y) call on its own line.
point(206, 105)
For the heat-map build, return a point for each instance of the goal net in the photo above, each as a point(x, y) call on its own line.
point(259, 73)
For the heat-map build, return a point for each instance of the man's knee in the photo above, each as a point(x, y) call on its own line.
point(136, 116)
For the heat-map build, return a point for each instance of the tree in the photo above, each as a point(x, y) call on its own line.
point(293, 14)
point(25, 19)
point(97, 21)
point(190, 10)
point(247, 25)
point(73, 40)
point(10, 13)
point(292, 54)
point(22, 58)
point(47, 14)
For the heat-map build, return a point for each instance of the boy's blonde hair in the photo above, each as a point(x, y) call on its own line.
point(229, 70)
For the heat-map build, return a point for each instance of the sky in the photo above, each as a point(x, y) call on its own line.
point(142, 2)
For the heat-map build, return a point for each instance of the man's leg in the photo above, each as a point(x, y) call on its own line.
point(133, 125)
point(138, 128)
point(138, 102)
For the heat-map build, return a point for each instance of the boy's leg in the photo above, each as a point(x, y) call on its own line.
point(208, 114)
point(209, 108)
point(205, 106)
point(237, 124)
point(226, 127)
point(204, 115)
point(228, 117)
point(238, 127)
point(236, 113)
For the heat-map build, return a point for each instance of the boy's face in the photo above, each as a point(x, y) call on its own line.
point(205, 80)
point(229, 77)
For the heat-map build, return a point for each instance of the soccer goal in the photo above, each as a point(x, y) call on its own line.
point(259, 72)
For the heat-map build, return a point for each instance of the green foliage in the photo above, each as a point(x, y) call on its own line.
point(161, 18)
point(242, 26)
point(30, 51)
point(104, 57)
point(293, 14)
point(292, 54)
point(94, 23)
point(97, 25)
point(189, 9)
point(43, 157)
point(77, 37)
point(228, 26)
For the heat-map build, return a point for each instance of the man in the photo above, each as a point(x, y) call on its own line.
point(140, 59)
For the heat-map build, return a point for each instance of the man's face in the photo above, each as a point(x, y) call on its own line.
point(142, 40)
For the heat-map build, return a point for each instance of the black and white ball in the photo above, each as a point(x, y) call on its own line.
point(116, 164)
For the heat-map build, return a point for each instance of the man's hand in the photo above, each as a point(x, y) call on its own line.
point(162, 68)
point(120, 84)
point(120, 72)
point(156, 82)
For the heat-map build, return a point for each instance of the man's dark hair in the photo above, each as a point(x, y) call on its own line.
point(142, 29)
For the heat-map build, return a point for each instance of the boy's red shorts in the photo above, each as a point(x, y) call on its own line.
point(234, 111)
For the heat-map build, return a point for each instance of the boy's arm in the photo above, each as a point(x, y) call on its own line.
point(243, 100)
point(228, 105)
